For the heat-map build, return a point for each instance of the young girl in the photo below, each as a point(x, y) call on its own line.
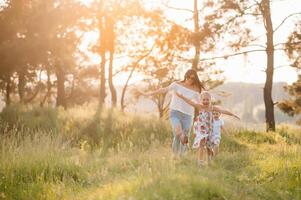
point(215, 139)
point(204, 124)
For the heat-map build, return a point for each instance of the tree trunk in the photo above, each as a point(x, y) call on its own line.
point(197, 45)
point(111, 85)
point(60, 100)
point(8, 90)
point(134, 65)
point(160, 105)
point(110, 35)
point(102, 92)
point(267, 92)
point(102, 88)
point(71, 94)
point(48, 92)
point(122, 103)
point(21, 85)
point(34, 95)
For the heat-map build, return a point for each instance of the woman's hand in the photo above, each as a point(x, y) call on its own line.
point(142, 93)
point(179, 95)
point(155, 92)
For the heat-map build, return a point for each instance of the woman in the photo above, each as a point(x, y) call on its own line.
point(181, 113)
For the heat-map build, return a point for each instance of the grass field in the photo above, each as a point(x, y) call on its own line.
point(80, 155)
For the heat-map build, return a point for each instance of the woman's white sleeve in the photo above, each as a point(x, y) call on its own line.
point(171, 87)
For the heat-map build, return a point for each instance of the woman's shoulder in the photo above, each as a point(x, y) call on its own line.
point(173, 85)
point(177, 83)
point(181, 84)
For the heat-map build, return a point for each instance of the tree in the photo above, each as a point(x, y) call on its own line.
point(22, 42)
point(203, 37)
point(153, 45)
point(40, 42)
point(110, 31)
point(109, 14)
point(230, 20)
point(102, 52)
point(195, 63)
point(58, 40)
point(160, 67)
point(12, 44)
point(292, 106)
point(267, 91)
point(6, 70)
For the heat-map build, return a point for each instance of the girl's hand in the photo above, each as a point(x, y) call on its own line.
point(236, 117)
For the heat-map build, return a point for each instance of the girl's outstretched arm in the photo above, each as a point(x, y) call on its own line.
point(190, 102)
point(226, 112)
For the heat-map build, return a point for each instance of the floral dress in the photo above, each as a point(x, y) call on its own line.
point(202, 127)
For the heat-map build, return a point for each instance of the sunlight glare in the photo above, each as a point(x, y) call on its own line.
point(86, 2)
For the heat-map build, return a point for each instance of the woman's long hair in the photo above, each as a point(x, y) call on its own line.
point(197, 81)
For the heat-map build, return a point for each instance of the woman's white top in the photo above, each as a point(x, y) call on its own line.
point(179, 104)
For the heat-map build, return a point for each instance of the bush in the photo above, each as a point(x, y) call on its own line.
point(292, 135)
point(32, 119)
point(255, 137)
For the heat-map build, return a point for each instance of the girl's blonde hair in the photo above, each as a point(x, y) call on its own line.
point(206, 93)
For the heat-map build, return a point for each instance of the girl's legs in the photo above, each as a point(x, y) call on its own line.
point(201, 153)
point(216, 149)
point(210, 154)
point(215, 146)
point(210, 149)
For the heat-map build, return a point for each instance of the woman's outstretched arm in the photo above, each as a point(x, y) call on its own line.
point(158, 91)
point(190, 102)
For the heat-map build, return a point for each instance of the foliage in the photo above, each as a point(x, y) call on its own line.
point(292, 106)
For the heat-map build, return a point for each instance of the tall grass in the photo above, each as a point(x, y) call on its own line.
point(84, 154)
point(86, 127)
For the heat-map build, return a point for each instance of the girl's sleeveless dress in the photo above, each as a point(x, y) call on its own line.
point(202, 127)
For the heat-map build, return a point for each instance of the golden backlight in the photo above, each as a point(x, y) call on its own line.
point(239, 68)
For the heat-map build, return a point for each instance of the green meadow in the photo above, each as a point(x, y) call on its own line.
point(84, 154)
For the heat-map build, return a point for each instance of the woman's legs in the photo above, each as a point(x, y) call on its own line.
point(186, 126)
point(177, 130)
point(181, 124)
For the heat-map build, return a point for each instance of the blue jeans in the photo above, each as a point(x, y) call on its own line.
point(184, 122)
